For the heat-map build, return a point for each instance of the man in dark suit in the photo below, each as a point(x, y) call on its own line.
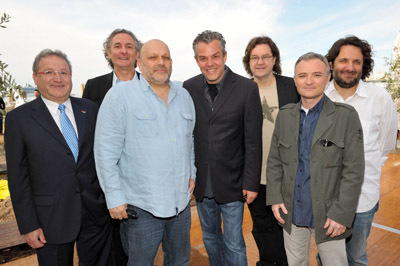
point(228, 149)
point(262, 62)
point(52, 178)
point(2, 114)
point(120, 50)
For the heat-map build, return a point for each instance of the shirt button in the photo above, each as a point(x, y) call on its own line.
point(177, 171)
point(174, 139)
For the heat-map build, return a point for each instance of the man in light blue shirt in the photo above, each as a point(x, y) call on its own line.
point(145, 160)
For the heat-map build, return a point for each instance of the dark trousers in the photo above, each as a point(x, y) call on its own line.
point(93, 245)
point(120, 258)
point(266, 232)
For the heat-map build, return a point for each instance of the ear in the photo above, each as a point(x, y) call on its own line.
point(197, 60)
point(34, 76)
point(331, 65)
point(225, 56)
point(139, 63)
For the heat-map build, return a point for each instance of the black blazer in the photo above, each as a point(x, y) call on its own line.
point(96, 88)
point(48, 189)
point(228, 139)
point(287, 92)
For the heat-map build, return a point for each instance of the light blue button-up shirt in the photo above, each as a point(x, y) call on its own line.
point(144, 149)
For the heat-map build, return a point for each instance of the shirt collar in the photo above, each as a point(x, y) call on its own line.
point(145, 86)
point(53, 106)
point(316, 108)
point(360, 91)
point(116, 80)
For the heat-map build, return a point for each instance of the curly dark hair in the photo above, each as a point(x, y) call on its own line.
point(274, 49)
point(366, 49)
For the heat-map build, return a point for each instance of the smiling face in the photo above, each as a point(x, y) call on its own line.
point(262, 61)
point(155, 62)
point(56, 88)
point(211, 61)
point(348, 66)
point(122, 52)
point(311, 77)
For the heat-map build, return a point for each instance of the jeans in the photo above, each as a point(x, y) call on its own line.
point(142, 236)
point(226, 248)
point(356, 244)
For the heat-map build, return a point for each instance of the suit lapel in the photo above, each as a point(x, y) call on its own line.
point(225, 92)
point(295, 121)
point(43, 117)
point(201, 95)
point(324, 121)
point(80, 118)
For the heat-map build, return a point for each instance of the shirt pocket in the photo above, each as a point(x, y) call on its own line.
point(187, 124)
point(146, 124)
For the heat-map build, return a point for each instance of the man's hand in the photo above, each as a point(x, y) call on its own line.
point(35, 239)
point(119, 212)
point(334, 228)
point(275, 209)
point(192, 184)
point(249, 196)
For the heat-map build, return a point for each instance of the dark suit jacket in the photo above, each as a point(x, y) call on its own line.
point(96, 88)
point(228, 139)
point(287, 92)
point(48, 189)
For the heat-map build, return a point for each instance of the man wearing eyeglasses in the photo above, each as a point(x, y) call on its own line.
point(262, 62)
point(315, 168)
point(120, 50)
point(54, 189)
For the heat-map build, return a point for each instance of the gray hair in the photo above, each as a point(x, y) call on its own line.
point(312, 55)
point(208, 36)
point(49, 52)
point(107, 43)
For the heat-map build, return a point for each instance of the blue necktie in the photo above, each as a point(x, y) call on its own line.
point(68, 132)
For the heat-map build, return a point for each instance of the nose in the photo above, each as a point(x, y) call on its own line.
point(350, 66)
point(309, 79)
point(57, 76)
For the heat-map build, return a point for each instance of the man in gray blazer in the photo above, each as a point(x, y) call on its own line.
point(315, 167)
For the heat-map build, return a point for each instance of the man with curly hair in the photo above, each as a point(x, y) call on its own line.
point(351, 62)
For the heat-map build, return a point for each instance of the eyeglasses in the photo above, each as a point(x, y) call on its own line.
point(264, 58)
point(53, 73)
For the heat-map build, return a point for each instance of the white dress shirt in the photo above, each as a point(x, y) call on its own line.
point(55, 113)
point(378, 118)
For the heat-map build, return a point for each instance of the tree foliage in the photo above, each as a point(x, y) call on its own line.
point(8, 86)
point(393, 77)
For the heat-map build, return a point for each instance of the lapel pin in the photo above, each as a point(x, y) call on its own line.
point(83, 111)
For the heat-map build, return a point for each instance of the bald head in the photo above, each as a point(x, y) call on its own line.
point(155, 63)
point(153, 45)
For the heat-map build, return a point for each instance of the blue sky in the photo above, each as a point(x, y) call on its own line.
point(79, 27)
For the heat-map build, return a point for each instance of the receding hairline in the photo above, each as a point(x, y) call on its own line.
point(142, 49)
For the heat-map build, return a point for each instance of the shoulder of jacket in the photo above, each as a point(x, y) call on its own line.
point(288, 106)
